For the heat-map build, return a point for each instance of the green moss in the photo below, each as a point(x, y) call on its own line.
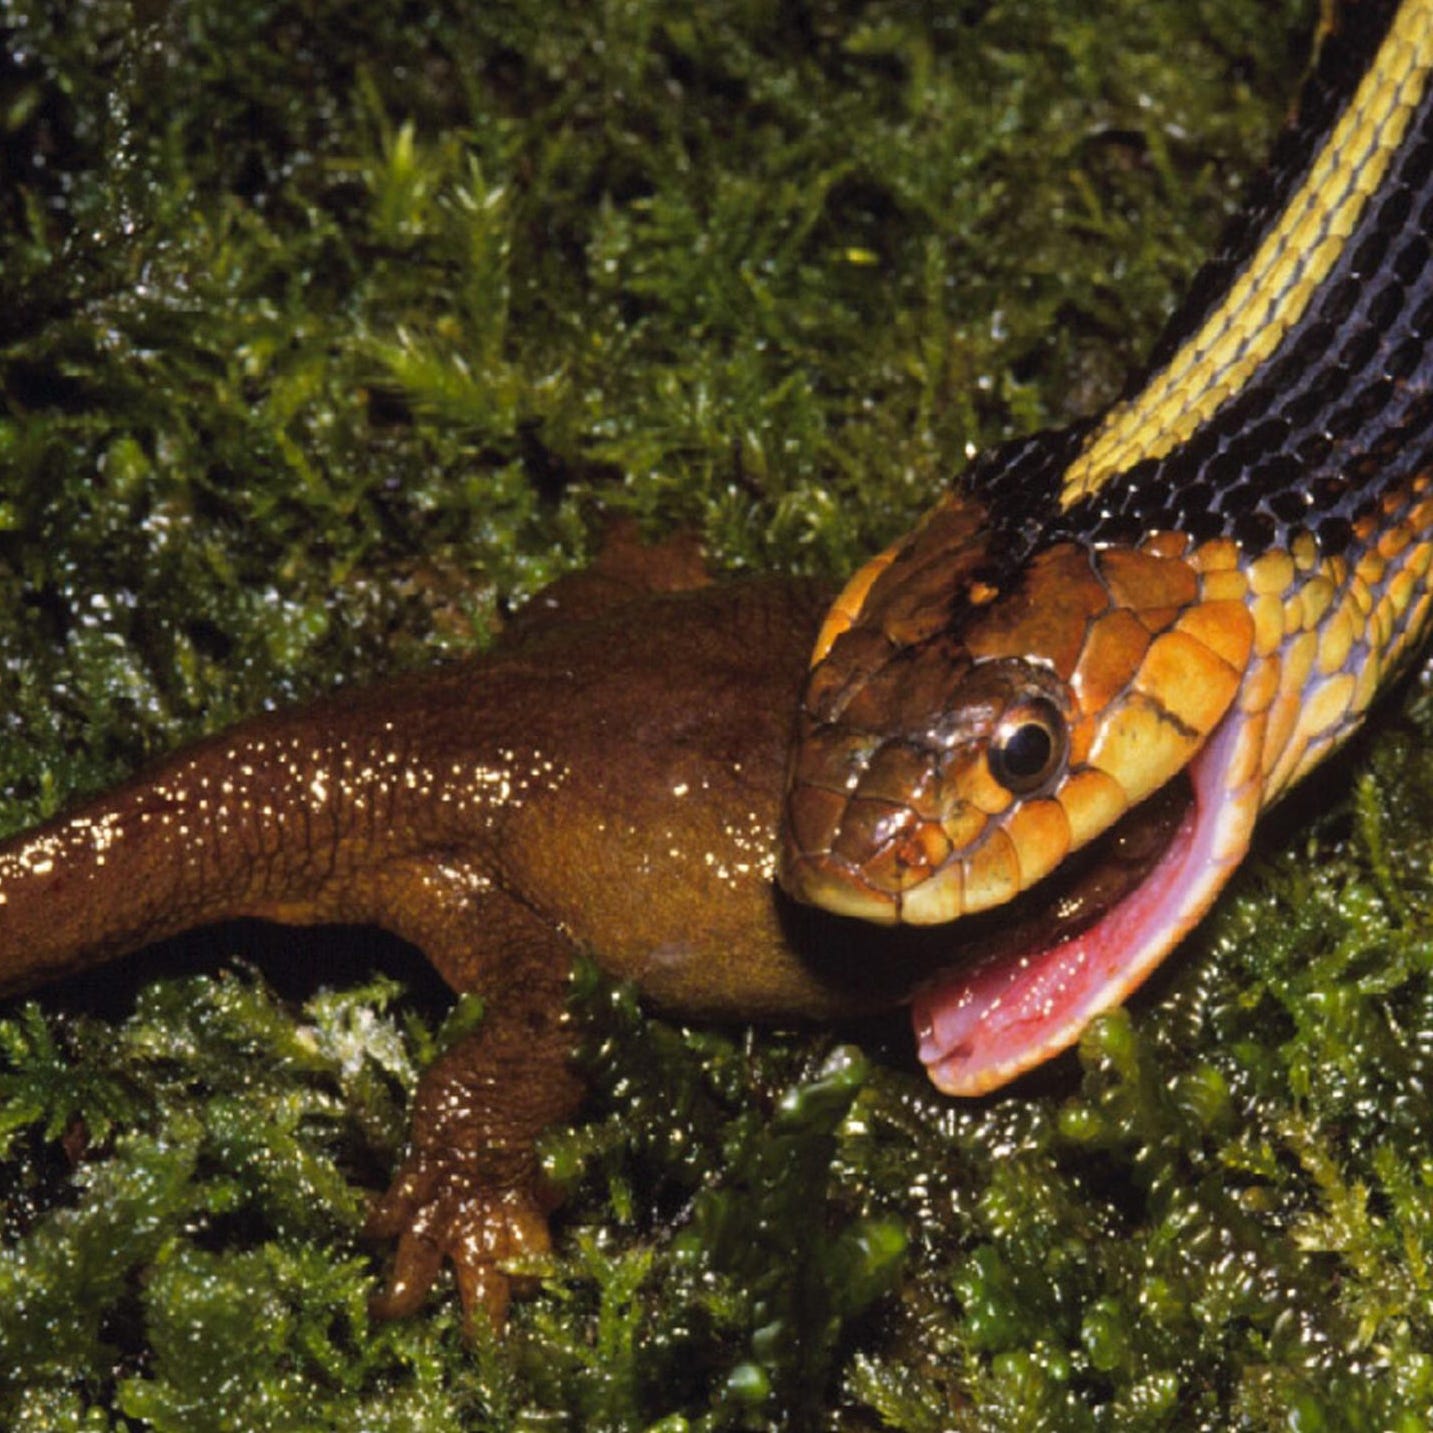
point(329, 328)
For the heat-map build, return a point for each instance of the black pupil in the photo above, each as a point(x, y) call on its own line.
point(1027, 751)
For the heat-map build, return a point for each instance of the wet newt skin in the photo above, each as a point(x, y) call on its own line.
point(607, 782)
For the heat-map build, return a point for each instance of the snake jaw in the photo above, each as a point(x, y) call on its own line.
point(982, 1025)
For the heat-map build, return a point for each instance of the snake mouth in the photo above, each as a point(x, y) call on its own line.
point(1039, 969)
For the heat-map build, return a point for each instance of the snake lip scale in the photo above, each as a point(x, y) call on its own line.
point(1207, 583)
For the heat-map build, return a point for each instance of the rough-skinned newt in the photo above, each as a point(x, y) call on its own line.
point(606, 782)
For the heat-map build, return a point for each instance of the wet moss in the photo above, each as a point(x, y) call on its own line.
point(328, 331)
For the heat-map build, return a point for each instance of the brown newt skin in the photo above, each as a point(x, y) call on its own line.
point(607, 782)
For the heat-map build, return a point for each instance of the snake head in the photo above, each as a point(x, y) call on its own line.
point(969, 725)
point(964, 729)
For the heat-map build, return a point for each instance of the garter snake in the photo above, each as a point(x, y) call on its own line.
point(1199, 590)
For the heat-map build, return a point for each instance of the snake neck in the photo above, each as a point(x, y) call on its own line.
point(1280, 440)
point(1293, 390)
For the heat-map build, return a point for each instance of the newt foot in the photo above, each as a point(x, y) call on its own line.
point(436, 1211)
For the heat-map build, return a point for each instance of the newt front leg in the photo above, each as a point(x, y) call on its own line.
point(470, 1188)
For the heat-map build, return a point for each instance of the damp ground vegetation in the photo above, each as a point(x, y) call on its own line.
point(331, 331)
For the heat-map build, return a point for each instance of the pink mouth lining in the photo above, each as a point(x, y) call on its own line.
point(980, 1027)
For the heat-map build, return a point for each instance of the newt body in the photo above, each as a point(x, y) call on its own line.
point(607, 783)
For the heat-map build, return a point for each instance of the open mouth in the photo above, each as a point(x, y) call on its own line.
point(1039, 969)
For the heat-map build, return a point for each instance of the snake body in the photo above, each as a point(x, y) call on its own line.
point(1203, 587)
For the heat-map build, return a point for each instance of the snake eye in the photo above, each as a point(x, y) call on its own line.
point(1029, 746)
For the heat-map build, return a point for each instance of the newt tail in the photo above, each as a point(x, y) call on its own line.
point(262, 821)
